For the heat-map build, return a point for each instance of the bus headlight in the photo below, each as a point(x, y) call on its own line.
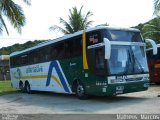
point(145, 78)
point(119, 88)
point(146, 85)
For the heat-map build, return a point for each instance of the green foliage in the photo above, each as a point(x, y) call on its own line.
point(151, 29)
point(14, 13)
point(140, 26)
point(77, 21)
point(5, 87)
point(156, 7)
point(28, 2)
point(19, 47)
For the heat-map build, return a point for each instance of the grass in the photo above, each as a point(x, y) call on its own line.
point(5, 87)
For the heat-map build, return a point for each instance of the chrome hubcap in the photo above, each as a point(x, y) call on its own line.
point(80, 90)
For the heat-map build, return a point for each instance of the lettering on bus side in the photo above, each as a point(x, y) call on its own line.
point(34, 69)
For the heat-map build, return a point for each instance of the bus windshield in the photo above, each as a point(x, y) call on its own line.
point(127, 59)
point(128, 36)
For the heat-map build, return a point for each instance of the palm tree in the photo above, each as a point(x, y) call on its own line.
point(77, 21)
point(156, 7)
point(14, 13)
point(152, 30)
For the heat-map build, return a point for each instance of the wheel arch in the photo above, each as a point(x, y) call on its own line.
point(75, 83)
point(26, 82)
point(21, 82)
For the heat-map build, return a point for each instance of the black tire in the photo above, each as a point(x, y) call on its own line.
point(21, 86)
point(27, 88)
point(81, 91)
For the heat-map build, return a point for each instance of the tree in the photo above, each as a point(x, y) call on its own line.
point(152, 30)
point(77, 21)
point(156, 7)
point(139, 26)
point(18, 47)
point(14, 13)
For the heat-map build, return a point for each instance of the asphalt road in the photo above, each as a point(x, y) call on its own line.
point(146, 102)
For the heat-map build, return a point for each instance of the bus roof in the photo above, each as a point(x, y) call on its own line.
point(48, 42)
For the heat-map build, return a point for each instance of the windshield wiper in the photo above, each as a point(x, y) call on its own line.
point(135, 61)
point(131, 62)
point(139, 65)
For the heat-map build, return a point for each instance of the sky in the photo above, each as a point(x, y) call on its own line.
point(45, 13)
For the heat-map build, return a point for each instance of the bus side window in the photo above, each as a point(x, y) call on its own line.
point(93, 38)
point(73, 47)
point(53, 52)
point(149, 54)
point(15, 61)
point(43, 54)
point(30, 57)
point(24, 60)
point(34, 57)
point(46, 53)
point(99, 58)
point(67, 49)
point(77, 46)
point(60, 50)
point(18, 61)
point(99, 62)
point(56, 51)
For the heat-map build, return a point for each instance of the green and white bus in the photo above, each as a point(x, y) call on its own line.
point(101, 61)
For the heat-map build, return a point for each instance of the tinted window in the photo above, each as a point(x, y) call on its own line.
point(62, 50)
point(73, 47)
point(57, 51)
point(99, 54)
point(24, 59)
point(149, 54)
point(100, 62)
point(93, 38)
point(130, 36)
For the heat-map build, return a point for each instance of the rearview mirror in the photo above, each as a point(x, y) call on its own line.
point(154, 46)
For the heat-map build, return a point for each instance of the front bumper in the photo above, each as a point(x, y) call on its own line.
point(119, 88)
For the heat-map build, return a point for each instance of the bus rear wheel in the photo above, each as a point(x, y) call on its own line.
point(81, 91)
point(27, 88)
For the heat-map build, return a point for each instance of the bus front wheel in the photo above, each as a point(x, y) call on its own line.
point(81, 92)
